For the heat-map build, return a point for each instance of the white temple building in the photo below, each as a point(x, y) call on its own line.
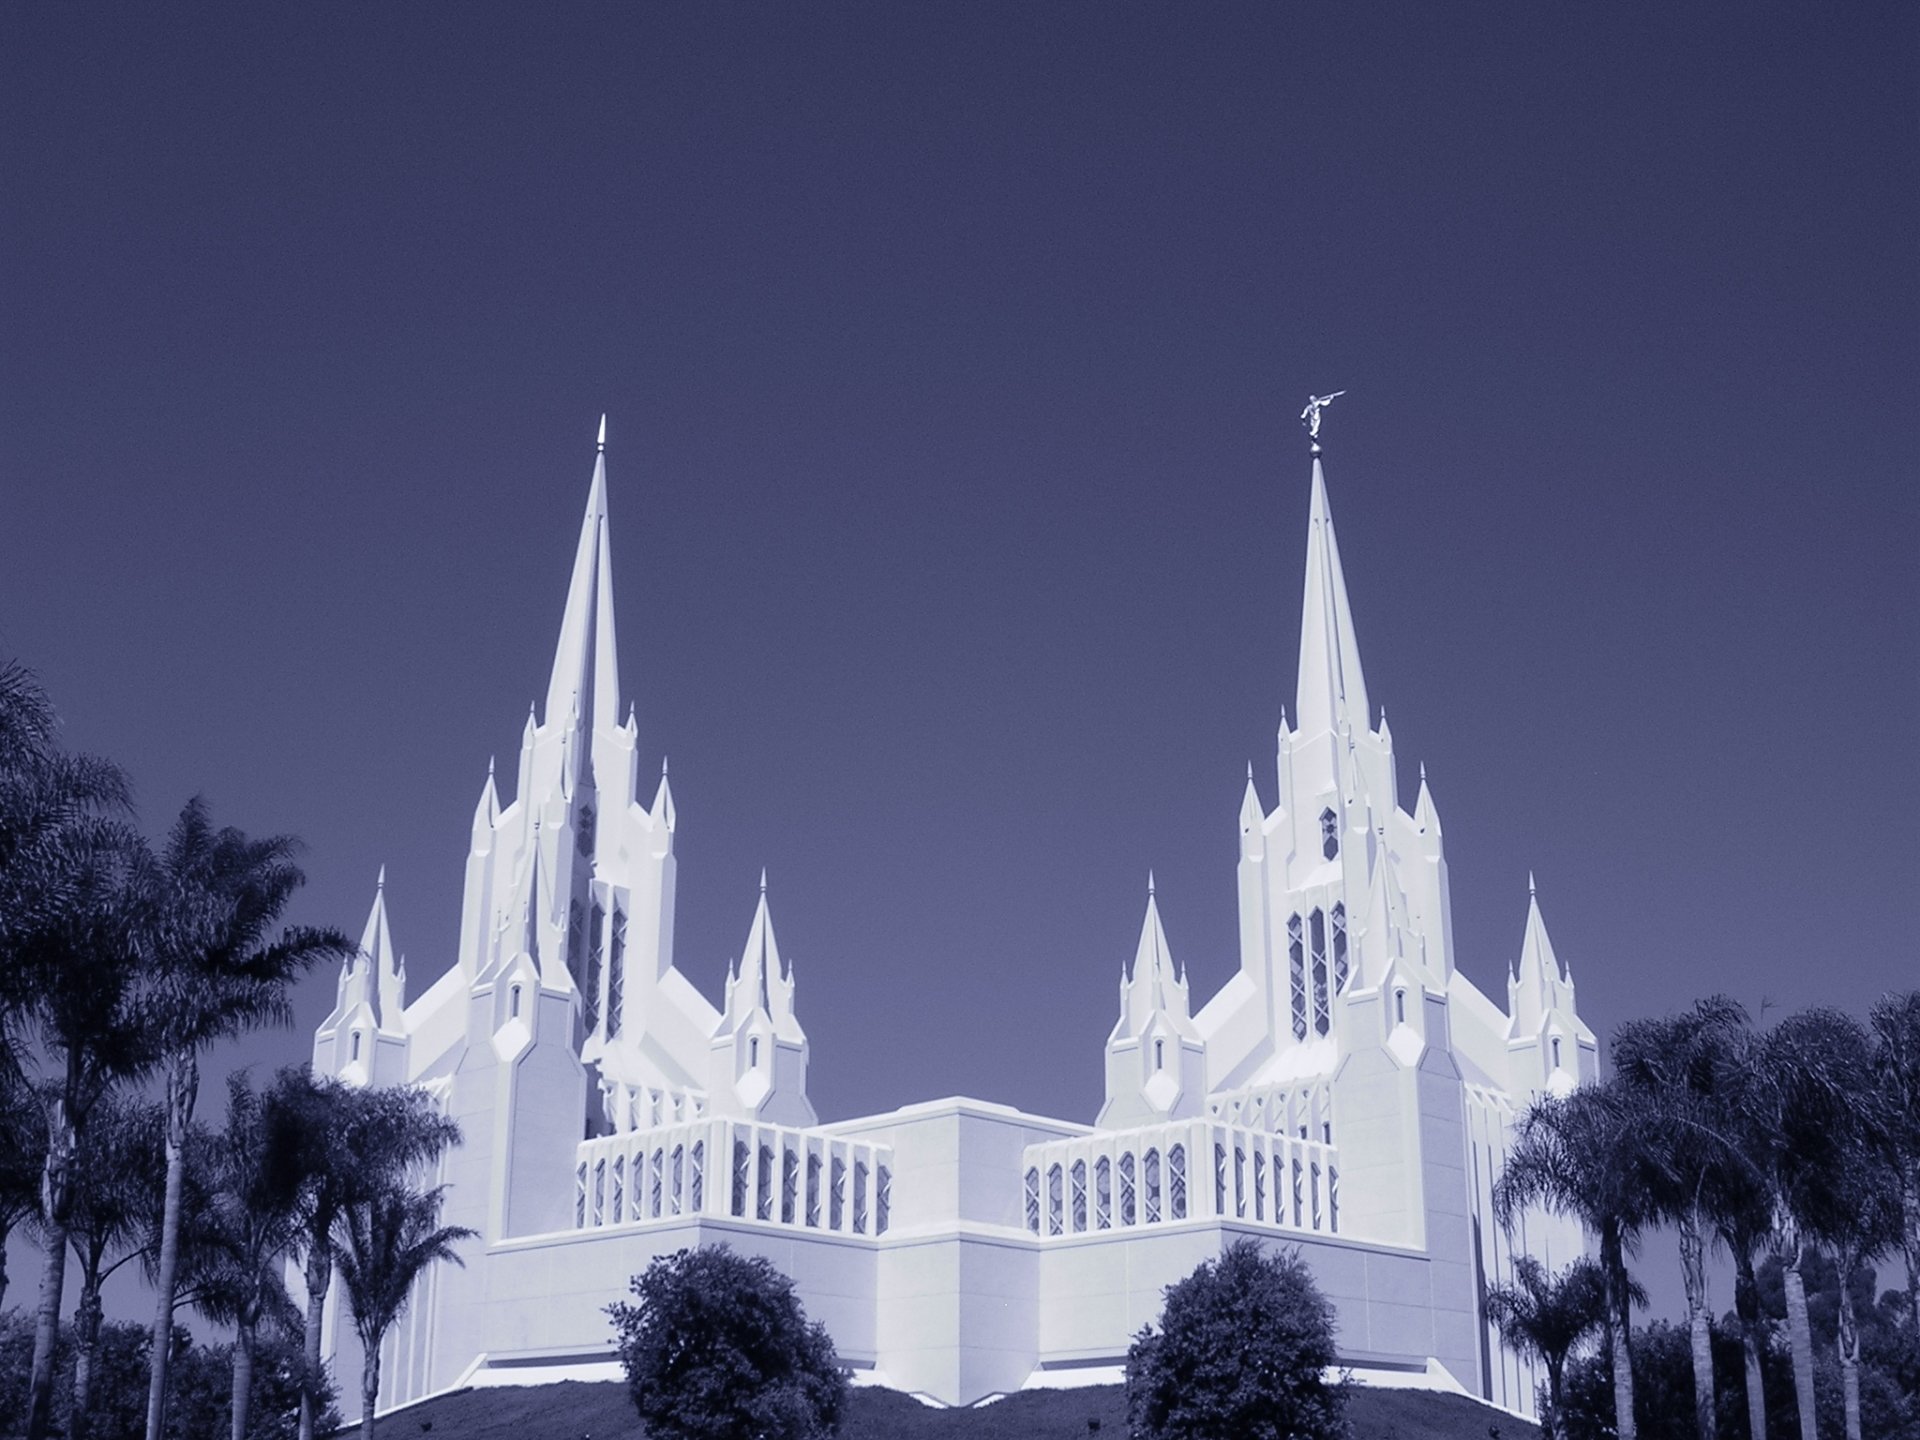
point(1347, 1092)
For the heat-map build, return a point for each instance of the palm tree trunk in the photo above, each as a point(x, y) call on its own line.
point(1620, 1327)
point(1849, 1346)
point(1909, 1246)
point(319, 1278)
point(243, 1339)
point(1800, 1335)
point(56, 1197)
point(369, 1386)
point(5, 1231)
point(183, 1083)
point(86, 1340)
point(1746, 1304)
point(1550, 1422)
point(1693, 1274)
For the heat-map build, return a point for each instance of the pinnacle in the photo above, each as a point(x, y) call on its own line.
point(1531, 890)
point(381, 882)
point(602, 442)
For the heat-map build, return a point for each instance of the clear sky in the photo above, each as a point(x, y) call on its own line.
point(952, 355)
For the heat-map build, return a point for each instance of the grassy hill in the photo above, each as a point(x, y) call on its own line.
point(576, 1411)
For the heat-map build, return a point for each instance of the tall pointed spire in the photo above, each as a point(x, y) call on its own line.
point(1537, 960)
point(1331, 689)
point(585, 663)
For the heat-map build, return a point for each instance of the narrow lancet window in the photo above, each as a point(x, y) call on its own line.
point(1126, 1189)
point(595, 941)
point(1321, 1016)
point(1054, 1205)
point(1033, 1199)
point(1177, 1183)
point(1150, 1185)
point(1103, 1193)
point(616, 973)
point(1079, 1179)
point(1297, 973)
point(1339, 948)
point(1329, 834)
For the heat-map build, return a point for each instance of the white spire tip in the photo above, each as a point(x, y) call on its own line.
point(763, 879)
point(602, 441)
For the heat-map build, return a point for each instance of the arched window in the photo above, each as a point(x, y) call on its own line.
point(1079, 1195)
point(753, 1052)
point(696, 1176)
point(1400, 1007)
point(1329, 834)
point(656, 1183)
point(583, 831)
point(1298, 1171)
point(1240, 1181)
point(763, 1203)
point(813, 1191)
point(675, 1191)
point(595, 954)
point(619, 1189)
point(513, 1003)
point(1260, 1186)
point(789, 1184)
point(1150, 1184)
point(1126, 1189)
point(742, 1158)
point(599, 1191)
point(616, 972)
point(1297, 973)
point(1313, 1191)
point(356, 1046)
point(1103, 1193)
point(576, 941)
point(1055, 1206)
point(1556, 1052)
point(580, 1197)
point(1219, 1178)
point(883, 1201)
point(1333, 1200)
point(1339, 948)
point(837, 1194)
point(1033, 1199)
point(860, 1173)
point(1317, 927)
point(1177, 1183)
point(1159, 1054)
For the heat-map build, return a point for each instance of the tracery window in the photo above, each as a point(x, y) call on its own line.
point(1313, 1192)
point(1150, 1183)
point(696, 1176)
point(1219, 1178)
point(1240, 1181)
point(1033, 1199)
point(1054, 1204)
point(742, 1158)
point(580, 1197)
point(860, 1173)
point(1556, 1052)
point(1317, 924)
point(789, 1184)
point(1329, 834)
point(883, 1201)
point(1126, 1189)
point(599, 1191)
point(837, 1194)
point(1297, 974)
point(1339, 948)
point(656, 1182)
point(619, 1188)
point(1103, 1193)
point(813, 1191)
point(1260, 1186)
point(763, 1203)
point(1333, 1200)
point(595, 941)
point(576, 940)
point(617, 972)
point(583, 832)
point(1078, 1175)
point(1177, 1183)
point(1297, 1171)
point(674, 1190)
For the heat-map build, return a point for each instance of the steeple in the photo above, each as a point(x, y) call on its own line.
point(1156, 1059)
point(1331, 691)
point(759, 1051)
point(585, 666)
point(1153, 986)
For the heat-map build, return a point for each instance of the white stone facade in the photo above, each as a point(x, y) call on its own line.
point(1347, 1091)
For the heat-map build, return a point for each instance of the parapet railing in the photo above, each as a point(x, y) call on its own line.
point(1183, 1170)
point(738, 1169)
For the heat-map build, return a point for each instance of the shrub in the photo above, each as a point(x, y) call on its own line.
point(1241, 1354)
point(719, 1349)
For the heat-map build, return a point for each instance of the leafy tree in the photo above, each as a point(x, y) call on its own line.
point(23, 1154)
point(719, 1348)
point(1583, 1155)
point(391, 1237)
point(346, 1144)
point(1241, 1354)
point(116, 1204)
point(1547, 1315)
point(1896, 1061)
point(1691, 1069)
point(220, 970)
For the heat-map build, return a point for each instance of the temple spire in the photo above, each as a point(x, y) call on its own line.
point(1331, 690)
point(585, 664)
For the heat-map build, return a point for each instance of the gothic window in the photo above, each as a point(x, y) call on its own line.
point(356, 1046)
point(1329, 834)
point(657, 1178)
point(1260, 1186)
point(763, 1205)
point(576, 944)
point(813, 1191)
point(1126, 1189)
point(1219, 1179)
point(599, 1191)
point(789, 1184)
point(583, 831)
point(742, 1161)
point(1054, 1206)
point(1556, 1052)
point(1317, 923)
point(1033, 1199)
point(1103, 1193)
point(513, 1003)
point(1297, 1174)
point(1339, 948)
point(675, 1189)
point(860, 1173)
point(883, 1201)
point(619, 1188)
point(1150, 1185)
point(1078, 1175)
point(696, 1174)
point(753, 1053)
point(580, 1197)
point(1240, 1181)
point(1400, 1007)
point(1333, 1200)
point(1297, 971)
point(1159, 1054)
point(837, 1195)
point(1313, 1191)
point(616, 973)
point(595, 940)
point(1177, 1183)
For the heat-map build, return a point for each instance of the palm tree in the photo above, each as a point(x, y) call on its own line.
point(390, 1237)
point(1582, 1156)
point(115, 1206)
point(1687, 1070)
point(221, 971)
point(1547, 1315)
point(23, 1151)
point(350, 1143)
point(1896, 1051)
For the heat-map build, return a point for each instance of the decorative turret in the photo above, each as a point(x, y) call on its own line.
point(1156, 1060)
point(759, 1064)
point(363, 1041)
point(1549, 1047)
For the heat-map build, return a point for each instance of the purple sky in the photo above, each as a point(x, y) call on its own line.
point(951, 357)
